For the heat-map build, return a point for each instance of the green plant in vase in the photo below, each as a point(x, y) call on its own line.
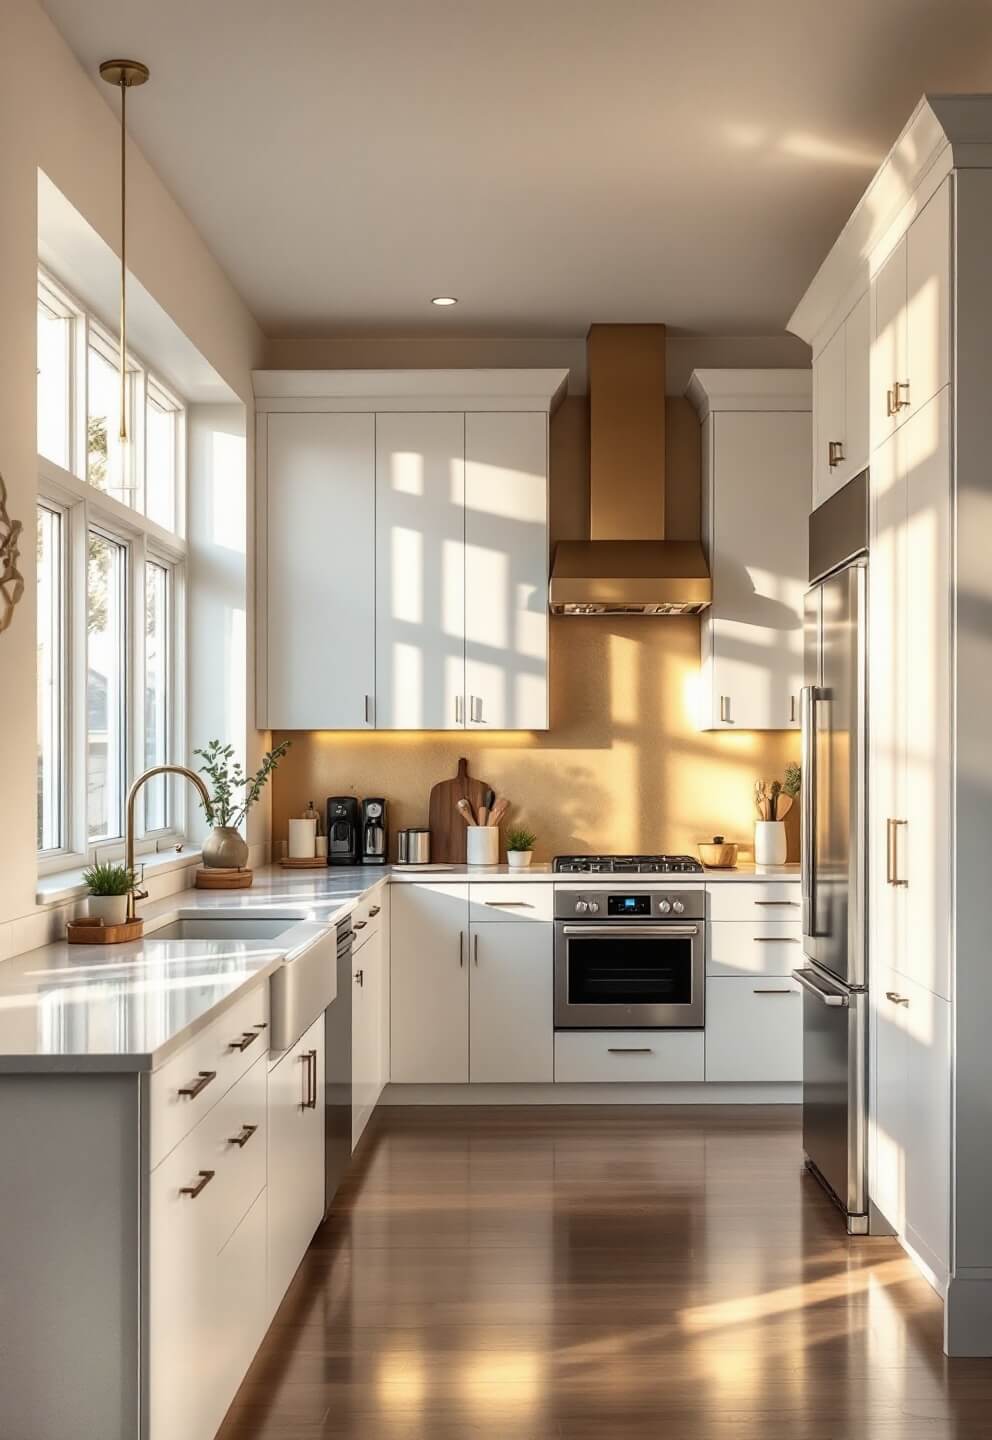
point(233, 793)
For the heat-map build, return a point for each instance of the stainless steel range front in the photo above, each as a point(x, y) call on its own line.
point(631, 959)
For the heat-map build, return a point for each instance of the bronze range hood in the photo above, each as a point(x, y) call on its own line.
point(628, 567)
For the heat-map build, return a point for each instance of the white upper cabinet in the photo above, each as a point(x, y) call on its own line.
point(506, 571)
point(403, 549)
point(840, 404)
point(756, 502)
point(317, 494)
point(419, 571)
point(911, 332)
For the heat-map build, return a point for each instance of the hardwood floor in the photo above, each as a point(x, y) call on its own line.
point(601, 1274)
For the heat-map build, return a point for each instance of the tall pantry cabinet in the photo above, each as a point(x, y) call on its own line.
point(917, 248)
point(403, 549)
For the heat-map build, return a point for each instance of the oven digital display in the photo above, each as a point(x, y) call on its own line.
point(629, 905)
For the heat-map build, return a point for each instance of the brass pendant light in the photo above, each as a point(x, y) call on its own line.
point(124, 74)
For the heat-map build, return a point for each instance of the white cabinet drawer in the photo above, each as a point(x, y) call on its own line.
point(529, 900)
point(367, 917)
point(760, 900)
point(754, 1029)
point(205, 1069)
point(628, 1055)
point(746, 947)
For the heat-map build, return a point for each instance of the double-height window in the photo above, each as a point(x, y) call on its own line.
point(111, 594)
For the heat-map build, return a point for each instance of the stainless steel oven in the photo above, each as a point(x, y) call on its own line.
point(629, 959)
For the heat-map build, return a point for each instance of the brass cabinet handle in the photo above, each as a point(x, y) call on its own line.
point(261, 1025)
point(629, 1050)
point(200, 1083)
point(896, 998)
point(900, 401)
point(793, 903)
point(461, 948)
point(774, 992)
point(892, 852)
point(368, 708)
point(359, 924)
point(775, 940)
point(835, 452)
point(459, 702)
point(792, 709)
point(509, 904)
point(309, 1059)
point(374, 911)
point(193, 1190)
point(475, 946)
point(247, 1036)
point(360, 977)
point(247, 1131)
point(725, 710)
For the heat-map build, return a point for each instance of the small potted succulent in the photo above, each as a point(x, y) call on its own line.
point(519, 848)
point(109, 886)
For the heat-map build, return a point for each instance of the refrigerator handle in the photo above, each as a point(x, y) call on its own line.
point(808, 811)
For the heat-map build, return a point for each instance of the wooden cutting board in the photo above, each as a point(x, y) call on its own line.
point(448, 842)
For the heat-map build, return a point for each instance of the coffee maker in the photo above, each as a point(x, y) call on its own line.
point(343, 831)
point(375, 842)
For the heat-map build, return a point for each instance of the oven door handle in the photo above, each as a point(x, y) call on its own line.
point(660, 932)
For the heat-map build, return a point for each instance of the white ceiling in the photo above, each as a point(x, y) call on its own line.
point(550, 162)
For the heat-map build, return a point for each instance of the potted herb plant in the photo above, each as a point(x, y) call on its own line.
point(773, 799)
point(109, 886)
point(233, 793)
point(520, 848)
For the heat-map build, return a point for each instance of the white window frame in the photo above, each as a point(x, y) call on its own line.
point(83, 508)
point(62, 660)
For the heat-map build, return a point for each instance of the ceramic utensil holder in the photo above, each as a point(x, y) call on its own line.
point(483, 844)
point(769, 842)
point(302, 839)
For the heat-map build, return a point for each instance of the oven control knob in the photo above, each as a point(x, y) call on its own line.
point(581, 906)
point(678, 907)
point(664, 906)
point(593, 907)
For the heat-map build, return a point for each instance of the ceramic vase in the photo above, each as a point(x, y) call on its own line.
point(224, 849)
point(519, 859)
point(111, 909)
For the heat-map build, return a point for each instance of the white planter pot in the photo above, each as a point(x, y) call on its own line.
point(482, 844)
point(519, 859)
point(769, 842)
point(111, 909)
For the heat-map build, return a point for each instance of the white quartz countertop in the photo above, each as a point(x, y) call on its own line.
point(102, 1008)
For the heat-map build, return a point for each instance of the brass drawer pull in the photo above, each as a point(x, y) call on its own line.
point(896, 998)
point(629, 1050)
point(794, 904)
point(247, 1131)
point(509, 904)
point(360, 977)
point(198, 1085)
point(374, 911)
point(774, 992)
point(359, 924)
point(835, 452)
point(247, 1036)
point(193, 1190)
point(775, 940)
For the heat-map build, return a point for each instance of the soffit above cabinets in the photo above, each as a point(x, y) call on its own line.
point(509, 389)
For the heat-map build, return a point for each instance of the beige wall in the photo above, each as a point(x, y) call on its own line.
point(623, 766)
point(53, 118)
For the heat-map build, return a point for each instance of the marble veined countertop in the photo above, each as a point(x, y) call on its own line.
point(100, 1008)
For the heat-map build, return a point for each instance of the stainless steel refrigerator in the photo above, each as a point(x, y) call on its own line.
point(834, 977)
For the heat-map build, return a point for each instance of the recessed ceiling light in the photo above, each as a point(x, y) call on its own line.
point(445, 300)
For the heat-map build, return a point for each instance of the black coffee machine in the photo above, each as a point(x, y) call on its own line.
point(344, 833)
point(375, 843)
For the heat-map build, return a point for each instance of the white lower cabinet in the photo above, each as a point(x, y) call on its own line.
point(295, 1157)
point(428, 965)
point(910, 1160)
point(592, 1056)
point(754, 1029)
point(207, 1264)
point(468, 1001)
point(511, 1006)
point(367, 1005)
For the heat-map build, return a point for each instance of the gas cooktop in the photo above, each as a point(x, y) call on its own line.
point(626, 865)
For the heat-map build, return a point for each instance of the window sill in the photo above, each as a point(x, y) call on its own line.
point(64, 885)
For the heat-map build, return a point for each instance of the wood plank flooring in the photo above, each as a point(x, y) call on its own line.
point(601, 1273)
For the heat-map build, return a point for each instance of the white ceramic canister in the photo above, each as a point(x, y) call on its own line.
point(769, 842)
point(483, 844)
point(302, 839)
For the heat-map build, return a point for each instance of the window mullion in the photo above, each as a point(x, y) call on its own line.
point(136, 685)
point(77, 620)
